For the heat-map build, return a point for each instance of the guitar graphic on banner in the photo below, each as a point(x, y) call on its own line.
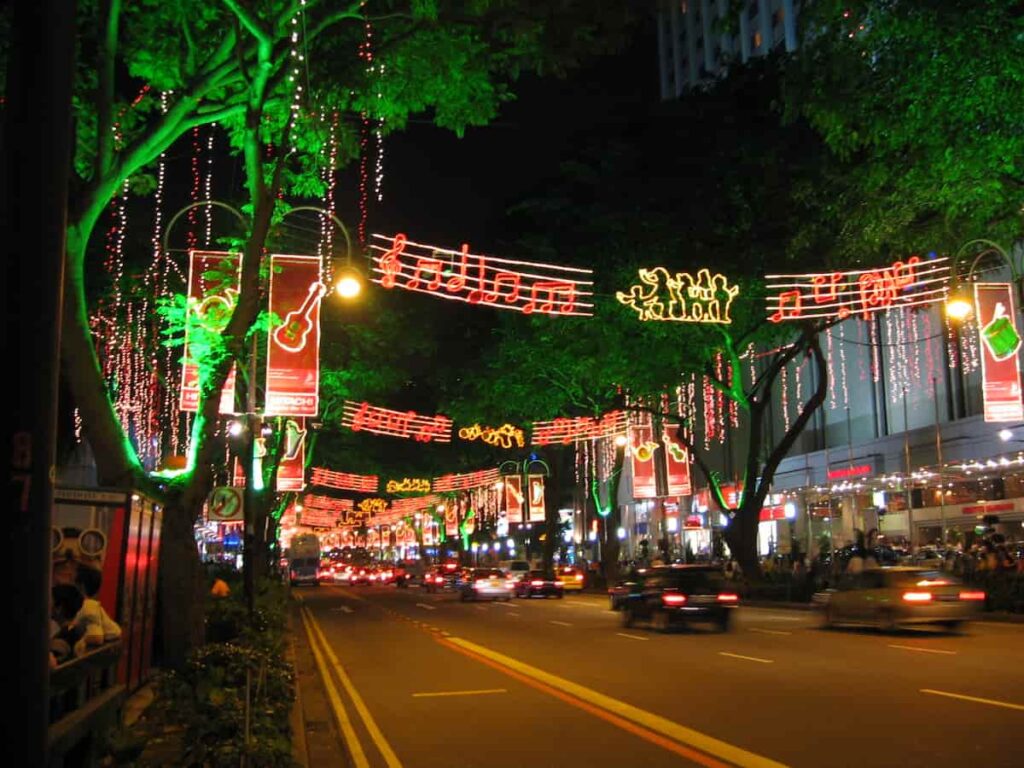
point(291, 334)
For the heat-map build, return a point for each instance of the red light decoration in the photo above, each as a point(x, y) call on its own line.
point(363, 417)
point(327, 503)
point(464, 482)
point(344, 481)
point(570, 430)
point(461, 276)
point(402, 507)
point(864, 291)
point(844, 473)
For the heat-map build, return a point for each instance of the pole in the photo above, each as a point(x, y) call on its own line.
point(855, 508)
point(907, 470)
point(938, 454)
point(253, 425)
point(36, 166)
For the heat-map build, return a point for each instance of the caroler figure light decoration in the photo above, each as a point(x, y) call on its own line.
point(681, 297)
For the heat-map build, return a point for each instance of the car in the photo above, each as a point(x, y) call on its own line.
point(538, 584)
point(623, 588)
point(362, 575)
point(515, 568)
point(486, 584)
point(889, 598)
point(572, 578)
point(304, 570)
point(442, 578)
point(681, 594)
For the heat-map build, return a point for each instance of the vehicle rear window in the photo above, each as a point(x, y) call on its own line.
point(905, 579)
point(709, 580)
point(484, 573)
point(304, 562)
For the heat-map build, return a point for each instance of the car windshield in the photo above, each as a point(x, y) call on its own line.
point(922, 578)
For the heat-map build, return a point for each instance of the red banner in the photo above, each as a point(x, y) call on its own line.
point(363, 417)
point(1000, 339)
point(641, 455)
point(536, 500)
point(213, 282)
point(293, 346)
point(291, 470)
point(514, 498)
point(451, 521)
point(677, 463)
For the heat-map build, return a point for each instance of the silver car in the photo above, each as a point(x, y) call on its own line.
point(893, 597)
point(486, 584)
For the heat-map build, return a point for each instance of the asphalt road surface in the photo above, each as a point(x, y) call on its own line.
point(421, 680)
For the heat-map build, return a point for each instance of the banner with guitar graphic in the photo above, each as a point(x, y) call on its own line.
point(535, 503)
point(291, 470)
point(677, 462)
point(213, 282)
point(293, 345)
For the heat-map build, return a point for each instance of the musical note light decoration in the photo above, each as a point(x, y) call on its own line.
point(363, 417)
point(402, 507)
point(408, 485)
point(456, 482)
point(344, 481)
point(523, 286)
point(505, 436)
point(373, 506)
point(571, 430)
point(327, 503)
point(681, 297)
point(907, 283)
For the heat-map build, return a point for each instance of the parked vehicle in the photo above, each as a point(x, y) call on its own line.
point(680, 594)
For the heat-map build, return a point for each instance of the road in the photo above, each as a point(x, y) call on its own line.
point(424, 680)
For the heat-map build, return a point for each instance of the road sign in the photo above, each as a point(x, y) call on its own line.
point(224, 505)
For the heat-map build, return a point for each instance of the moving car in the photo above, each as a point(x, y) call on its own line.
point(681, 594)
point(623, 588)
point(572, 578)
point(888, 598)
point(486, 584)
point(444, 577)
point(538, 584)
point(304, 560)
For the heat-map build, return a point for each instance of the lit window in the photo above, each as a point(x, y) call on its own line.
point(757, 39)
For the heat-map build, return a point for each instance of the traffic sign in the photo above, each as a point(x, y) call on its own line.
point(225, 505)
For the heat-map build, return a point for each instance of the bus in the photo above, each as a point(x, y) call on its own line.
point(304, 559)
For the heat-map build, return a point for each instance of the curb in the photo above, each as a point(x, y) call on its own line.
point(300, 750)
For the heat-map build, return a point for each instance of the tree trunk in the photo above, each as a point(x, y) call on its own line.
point(610, 545)
point(182, 587)
point(741, 536)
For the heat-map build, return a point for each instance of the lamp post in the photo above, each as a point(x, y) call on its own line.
point(959, 301)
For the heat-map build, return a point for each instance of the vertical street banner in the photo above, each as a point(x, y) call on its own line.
point(536, 500)
point(514, 498)
point(642, 450)
point(293, 345)
point(1000, 340)
point(451, 520)
point(677, 463)
point(291, 470)
point(213, 284)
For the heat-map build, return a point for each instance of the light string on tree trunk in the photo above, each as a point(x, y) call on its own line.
point(842, 365)
point(831, 370)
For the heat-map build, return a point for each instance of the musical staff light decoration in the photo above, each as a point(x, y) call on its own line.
point(909, 283)
point(467, 481)
point(524, 286)
point(681, 297)
point(571, 430)
point(505, 436)
point(408, 485)
point(344, 481)
point(363, 417)
point(327, 503)
point(402, 507)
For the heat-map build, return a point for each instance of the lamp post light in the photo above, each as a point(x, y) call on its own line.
point(959, 300)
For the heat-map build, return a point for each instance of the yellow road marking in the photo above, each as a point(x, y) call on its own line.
point(649, 720)
point(747, 658)
point(561, 623)
point(354, 747)
point(371, 725)
point(480, 692)
point(631, 637)
point(976, 699)
point(923, 650)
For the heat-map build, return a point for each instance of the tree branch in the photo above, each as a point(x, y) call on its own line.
point(110, 11)
point(250, 22)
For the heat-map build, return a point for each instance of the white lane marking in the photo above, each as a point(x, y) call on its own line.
point(747, 658)
point(480, 692)
point(561, 623)
point(506, 605)
point(426, 607)
point(923, 650)
point(480, 607)
point(342, 608)
point(770, 631)
point(976, 699)
point(632, 637)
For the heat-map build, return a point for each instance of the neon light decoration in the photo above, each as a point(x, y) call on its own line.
point(680, 297)
point(408, 485)
point(343, 481)
point(327, 503)
point(401, 507)
point(523, 286)
point(293, 347)
point(567, 430)
point(505, 436)
point(465, 482)
point(363, 417)
point(840, 294)
point(373, 506)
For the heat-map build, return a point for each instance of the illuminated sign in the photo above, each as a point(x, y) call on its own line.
point(856, 291)
point(677, 463)
point(327, 503)
point(535, 507)
point(523, 286)
point(505, 436)
point(293, 345)
point(373, 506)
point(568, 430)
point(681, 297)
point(291, 470)
point(514, 498)
point(363, 417)
point(343, 481)
point(408, 485)
point(844, 473)
point(211, 301)
point(1000, 340)
point(465, 482)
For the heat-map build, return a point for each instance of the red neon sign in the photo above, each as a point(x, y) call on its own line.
point(861, 470)
point(343, 481)
point(567, 430)
point(523, 286)
point(465, 482)
point(327, 503)
point(840, 294)
point(363, 417)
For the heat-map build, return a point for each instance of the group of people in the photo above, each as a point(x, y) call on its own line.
point(78, 622)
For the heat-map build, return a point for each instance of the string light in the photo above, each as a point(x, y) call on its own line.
point(708, 400)
point(784, 376)
point(831, 372)
point(842, 365)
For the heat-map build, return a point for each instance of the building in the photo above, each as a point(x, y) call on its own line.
point(698, 39)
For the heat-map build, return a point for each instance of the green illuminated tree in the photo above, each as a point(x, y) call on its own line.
point(238, 64)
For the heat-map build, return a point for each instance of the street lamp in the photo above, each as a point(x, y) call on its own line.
point(959, 301)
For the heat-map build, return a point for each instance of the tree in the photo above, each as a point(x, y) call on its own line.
point(258, 70)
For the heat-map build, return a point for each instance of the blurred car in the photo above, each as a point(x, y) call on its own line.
point(538, 584)
point(486, 584)
point(343, 574)
point(515, 568)
point(888, 598)
point(326, 571)
point(304, 570)
point(442, 578)
point(623, 588)
point(681, 594)
point(572, 578)
point(386, 575)
point(362, 575)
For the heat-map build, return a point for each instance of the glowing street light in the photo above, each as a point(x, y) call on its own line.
point(349, 283)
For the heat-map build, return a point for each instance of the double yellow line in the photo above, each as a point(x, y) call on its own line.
point(327, 662)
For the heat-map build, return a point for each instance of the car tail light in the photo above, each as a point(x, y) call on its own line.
point(439, 580)
point(510, 584)
point(673, 598)
point(295, 574)
point(728, 597)
point(579, 577)
point(536, 583)
point(480, 583)
point(917, 597)
point(976, 595)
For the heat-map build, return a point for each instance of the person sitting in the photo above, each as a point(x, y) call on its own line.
point(93, 620)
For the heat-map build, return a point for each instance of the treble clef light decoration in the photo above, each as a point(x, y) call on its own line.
point(390, 263)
